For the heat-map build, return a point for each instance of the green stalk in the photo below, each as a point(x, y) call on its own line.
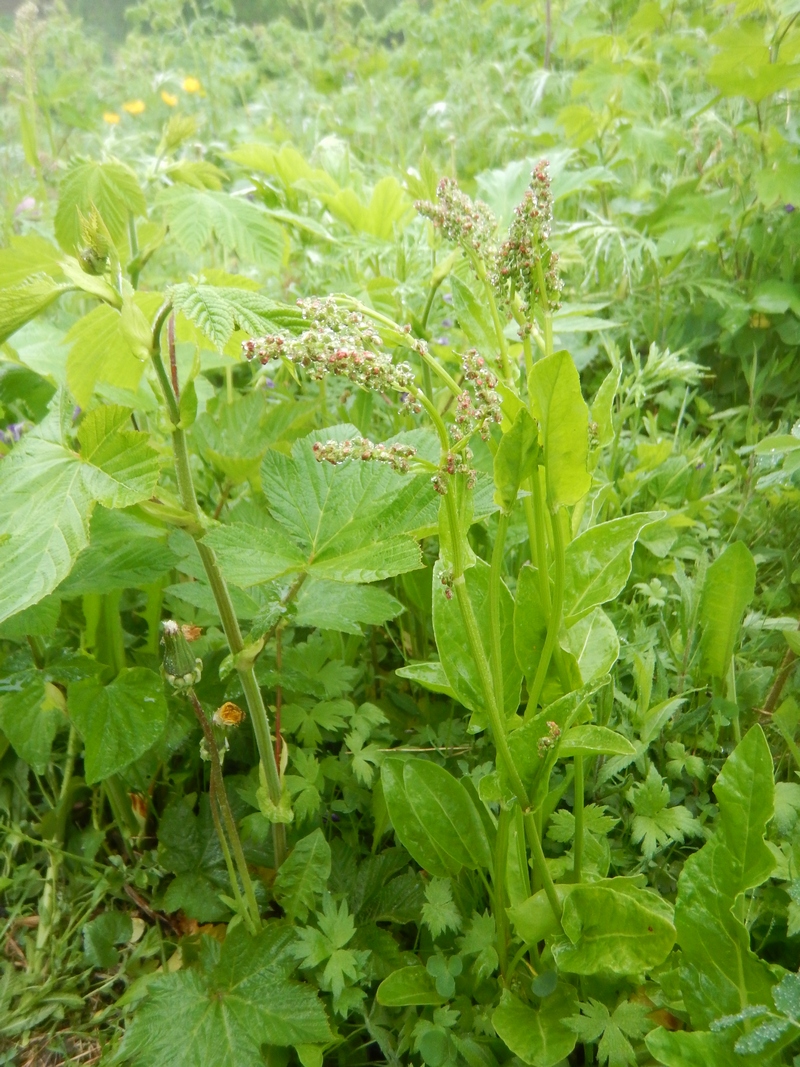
point(500, 866)
point(495, 715)
point(577, 810)
point(495, 581)
point(547, 314)
point(554, 623)
point(498, 326)
point(219, 588)
point(537, 504)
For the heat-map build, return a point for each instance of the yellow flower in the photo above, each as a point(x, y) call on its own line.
point(134, 107)
point(111, 117)
point(169, 98)
point(191, 84)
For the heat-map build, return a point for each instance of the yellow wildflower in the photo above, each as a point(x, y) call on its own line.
point(191, 84)
point(111, 117)
point(169, 98)
point(134, 107)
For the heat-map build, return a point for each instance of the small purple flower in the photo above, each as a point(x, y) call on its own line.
point(448, 298)
point(442, 340)
point(269, 383)
point(76, 413)
point(447, 323)
point(28, 203)
point(13, 432)
point(788, 208)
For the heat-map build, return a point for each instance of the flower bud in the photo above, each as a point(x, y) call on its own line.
point(182, 669)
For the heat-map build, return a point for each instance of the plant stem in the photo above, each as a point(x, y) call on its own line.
point(221, 798)
point(547, 314)
point(495, 581)
point(540, 865)
point(219, 588)
point(577, 810)
point(498, 326)
point(500, 865)
point(554, 623)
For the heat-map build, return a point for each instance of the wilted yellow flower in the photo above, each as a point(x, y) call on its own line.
point(191, 84)
point(111, 117)
point(134, 107)
point(169, 98)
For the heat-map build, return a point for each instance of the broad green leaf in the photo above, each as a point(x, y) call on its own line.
point(446, 811)
point(239, 1001)
point(515, 459)
point(457, 661)
point(744, 66)
point(530, 621)
point(304, 876)
point(721, 973)
point(30, 717)
point(429, 675)
point(337, 606)
point(594, 643)
point(409, 829)
point(195, 216)
point(538, 1035)
point(100, 352)
point(594, 741)
point(49, 492)
point(599, 563)
point(118, 722)
point(189, 848)
point(25, 301)
point(122, 553)
point(680, 1048)
point(110, 187)
point(408, 987)
point(25, 256)
point(348, 523)
point(602, 410)
point(474, 319)
point(40, 620)
point(219, 311)
point(102, 934)
point(563, 417)
point(728, 589)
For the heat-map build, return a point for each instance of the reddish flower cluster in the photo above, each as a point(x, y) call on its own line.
point(396, 455)
point(466, 222)
point(450, 466)
point(550, 738)
point(527, 245)
point(476, 415)
point(338, 342)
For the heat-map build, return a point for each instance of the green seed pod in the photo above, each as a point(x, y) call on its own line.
point(181, 669)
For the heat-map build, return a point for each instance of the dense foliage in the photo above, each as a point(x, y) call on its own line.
point(399, 570)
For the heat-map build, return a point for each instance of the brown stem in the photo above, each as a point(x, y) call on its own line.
point(223, 500)
point(785, 669)
point(173, 363)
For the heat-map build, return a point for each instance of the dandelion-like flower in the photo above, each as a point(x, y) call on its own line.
point(111, 117)
point(134, 107)
point(170, 99)
point(191, 84)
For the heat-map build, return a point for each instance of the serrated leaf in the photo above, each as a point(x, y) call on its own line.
point(304, 875)
point(111, 187)
point(219, 311)
point(228, 1010)
point(195, 216)
point(49, 492)
point(118, 722)
point(20, 303)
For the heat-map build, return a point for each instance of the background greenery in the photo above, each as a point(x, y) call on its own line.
point(672, 135)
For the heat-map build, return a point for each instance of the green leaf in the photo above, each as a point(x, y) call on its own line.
point(100, 351)
point(720, 971)
point(563, 417)
point(439, 912)
point(699, 1049)
point(599, 563)
point(25, 301)
point(744, 66)
point(25, 256)
point(655, 824)
point(30, 717)
point(189, 848)
point(118, 722)
point(408, 987)
point(228, 1010)
point(594, 643)
point(102, 934)
point(729, 587)
point(110, 187)
point(515, 459)
point(49, 492)
point(429, 675)
point(219, 311)
point(336, 606)
point(446, 811)
point(538, 1036)
point(410, 831)
point(196, 216)
point(303, 876)
point(456, 658)
point(473, 319)
point(250, 555)
point(123, 553)
point(594, 741)
point(612, 926)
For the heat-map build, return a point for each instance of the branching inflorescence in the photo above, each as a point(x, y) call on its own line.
point(461, 220)
point(395, 455)
point(341, 342)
